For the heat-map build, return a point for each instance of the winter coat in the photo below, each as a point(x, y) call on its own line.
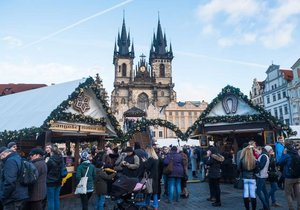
point(246, 174)
point(11, 189)
point(285, 161)
point(101, 181)
point(214, 162)
point(54, 165)
point(131, 170)
point(193, 158)
point(177, 164)
point(279, 147)
point(151, 167)
point(91, 174)
point(38, 190)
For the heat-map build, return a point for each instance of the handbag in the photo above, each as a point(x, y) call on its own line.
point(169, 168)
point(148, 183)
point(82, 185)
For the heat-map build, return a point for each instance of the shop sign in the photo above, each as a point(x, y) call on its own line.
point(77, 128)
point(92, 129)
point(64, 127)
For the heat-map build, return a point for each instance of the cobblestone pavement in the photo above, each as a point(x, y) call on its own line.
point(231, 199)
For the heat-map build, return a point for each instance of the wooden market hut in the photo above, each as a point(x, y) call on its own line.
point(231, 120)
point(71, 112)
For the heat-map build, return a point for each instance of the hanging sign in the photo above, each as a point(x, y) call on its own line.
point(64, 127)
point(92, 129)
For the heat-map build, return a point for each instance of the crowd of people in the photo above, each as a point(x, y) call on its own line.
point(166, 166)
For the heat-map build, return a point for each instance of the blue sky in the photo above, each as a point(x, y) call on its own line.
point(215, 42)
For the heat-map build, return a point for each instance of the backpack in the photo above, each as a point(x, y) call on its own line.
point(294, 168)
point(28, 173)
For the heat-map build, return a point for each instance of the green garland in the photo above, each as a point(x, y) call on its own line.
point(144, 123)
point(263, 114)
point(59, 115)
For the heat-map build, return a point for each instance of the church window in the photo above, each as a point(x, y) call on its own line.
point(162, 93)
point(143, 101)
point(162, 70)
point(124, 70)
point(123, 101)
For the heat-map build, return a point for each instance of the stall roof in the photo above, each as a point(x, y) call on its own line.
point(31, 108)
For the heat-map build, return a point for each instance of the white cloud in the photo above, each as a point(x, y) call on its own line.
point(12, 42)
point(209, 30)
point(27, 72)
point(225, 42)
point(244, 22)
point(234, 9)
point(278, 38)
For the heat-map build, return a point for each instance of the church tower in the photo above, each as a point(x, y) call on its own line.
point(147, 86)
point(123, 63)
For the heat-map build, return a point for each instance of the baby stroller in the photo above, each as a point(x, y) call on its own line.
point(128, 194)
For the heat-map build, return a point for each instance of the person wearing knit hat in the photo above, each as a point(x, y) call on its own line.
point(268, 148)
point(12, 145)
point(84, 155)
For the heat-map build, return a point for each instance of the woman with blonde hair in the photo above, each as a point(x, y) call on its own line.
point(248, 167)
point(151, 167)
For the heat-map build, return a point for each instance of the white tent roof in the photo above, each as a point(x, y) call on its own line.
point(31, 108)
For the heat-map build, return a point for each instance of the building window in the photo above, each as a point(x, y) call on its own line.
point(278, 95)
point(143, 101)
point(176, 113)
point(182, 123)
point(123, 101)
point(280, 112)
point(124, 70)
point(283, 94)
point(162, 93)
point(170, 113)
point(274, 97)
point(182, 113)
point(268, 99)
point(276, 113)
point(160, 134)
point(154, 134)
point(162, 70)
point(286, 111)
point(190, 113)
point(190, 121)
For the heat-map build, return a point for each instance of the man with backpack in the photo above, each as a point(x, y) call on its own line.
point(290, 161)
point(38, 190)
point(12, 193)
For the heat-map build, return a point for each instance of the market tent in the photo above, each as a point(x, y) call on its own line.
point(39, 108)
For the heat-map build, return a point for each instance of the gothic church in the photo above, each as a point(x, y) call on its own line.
point(148, 85)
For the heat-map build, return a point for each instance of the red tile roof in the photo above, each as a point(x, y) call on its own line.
point(287, 74)
point(6, 89)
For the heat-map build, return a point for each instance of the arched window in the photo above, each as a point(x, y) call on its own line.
point(143, 101)
point(124, 70)
point(123, 101)
point(162, 70)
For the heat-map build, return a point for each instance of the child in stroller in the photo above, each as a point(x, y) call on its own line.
point(128, 194)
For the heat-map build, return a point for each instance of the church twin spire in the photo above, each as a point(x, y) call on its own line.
point(158, 47)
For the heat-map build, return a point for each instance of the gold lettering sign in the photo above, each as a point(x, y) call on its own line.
point(64, 127)
point(92, 129)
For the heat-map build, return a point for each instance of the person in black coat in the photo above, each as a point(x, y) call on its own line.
point(12, 193)
point(151, 167)
point(214, 161)
point(54, 178)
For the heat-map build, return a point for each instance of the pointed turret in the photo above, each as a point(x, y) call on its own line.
point(123, 44)
point(159, 45)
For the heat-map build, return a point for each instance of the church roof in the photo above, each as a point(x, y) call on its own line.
point(134, 112)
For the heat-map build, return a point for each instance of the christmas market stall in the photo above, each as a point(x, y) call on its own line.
point(231, 120)
point(70, 114)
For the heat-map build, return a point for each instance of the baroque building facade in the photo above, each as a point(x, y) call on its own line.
point(294, 94)
point(275, 94)
point(257, 92)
